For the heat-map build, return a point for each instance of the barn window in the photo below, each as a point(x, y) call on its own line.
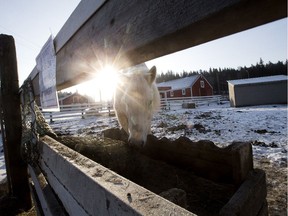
point(202, 84)
point(171, 94)
point(183, 91)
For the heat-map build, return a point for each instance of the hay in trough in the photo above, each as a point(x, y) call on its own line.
point(203, 196)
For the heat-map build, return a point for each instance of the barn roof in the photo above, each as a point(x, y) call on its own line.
point(265, 79)
point(185, 82)
point(71, 95)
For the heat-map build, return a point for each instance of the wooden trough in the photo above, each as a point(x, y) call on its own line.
point(121, 180)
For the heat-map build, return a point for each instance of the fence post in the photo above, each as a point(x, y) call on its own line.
point(51, 117)
point(109, 108)
point(17, 174)
point(82, 113)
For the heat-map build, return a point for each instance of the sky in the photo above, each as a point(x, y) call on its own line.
point(268, 42)
point(31, 22)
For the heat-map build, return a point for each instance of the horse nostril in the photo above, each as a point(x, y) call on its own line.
point(136, 142)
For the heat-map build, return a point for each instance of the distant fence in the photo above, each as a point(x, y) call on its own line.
point(106, 108)
point(191, 102)
point(80, 111)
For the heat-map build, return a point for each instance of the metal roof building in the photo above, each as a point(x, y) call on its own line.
point(258, 91)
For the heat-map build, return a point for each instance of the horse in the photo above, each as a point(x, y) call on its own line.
point(136, 99)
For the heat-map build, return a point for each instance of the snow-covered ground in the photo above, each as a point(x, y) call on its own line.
point(264, 126)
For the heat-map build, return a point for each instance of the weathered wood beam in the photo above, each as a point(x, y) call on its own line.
point(11, 124)
point(48, 201)
point(102, 191)
point(80, 15)
point(129, 32)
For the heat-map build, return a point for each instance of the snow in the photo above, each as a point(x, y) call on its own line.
point(2, 162)
point(265, 79)
point(185, 82)
point(265, 126)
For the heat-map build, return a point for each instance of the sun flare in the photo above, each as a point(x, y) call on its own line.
point(102, 87)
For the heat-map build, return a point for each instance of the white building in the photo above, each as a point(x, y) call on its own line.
point(258, 91)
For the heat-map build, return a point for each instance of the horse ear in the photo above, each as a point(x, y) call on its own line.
point(152, 75)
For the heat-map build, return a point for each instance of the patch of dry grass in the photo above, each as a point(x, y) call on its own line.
point(276, 180)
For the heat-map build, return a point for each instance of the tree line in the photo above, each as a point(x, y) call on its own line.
point(218, 76)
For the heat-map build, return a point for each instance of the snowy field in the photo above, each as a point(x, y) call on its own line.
point(264, 126)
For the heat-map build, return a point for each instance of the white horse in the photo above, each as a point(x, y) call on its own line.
point(135, 100)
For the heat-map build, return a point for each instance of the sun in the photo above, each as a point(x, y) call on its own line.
point(107, 80)
point(107, 77)
point(102, 87)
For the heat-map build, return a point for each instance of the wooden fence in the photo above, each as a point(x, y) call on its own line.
point(119, 33)
point(191, 102)
point(80, 111)
point(68, 112)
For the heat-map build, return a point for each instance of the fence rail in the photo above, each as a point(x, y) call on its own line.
point(80, 111)
point(106, 108)
point(180, 102)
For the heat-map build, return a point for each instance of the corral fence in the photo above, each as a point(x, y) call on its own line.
point(191, 102)
point(84, 110)
point(80, 111)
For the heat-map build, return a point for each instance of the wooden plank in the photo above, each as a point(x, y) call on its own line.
point(242, 160)
point(250, 198)
point(126, 33)
point(49, 204)
point(230, 164)
point(10, 106)
point(101, 192)
point(80, 15)
point(226, 165)
point(71, 205)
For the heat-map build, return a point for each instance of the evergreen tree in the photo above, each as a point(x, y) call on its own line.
point(218, 77)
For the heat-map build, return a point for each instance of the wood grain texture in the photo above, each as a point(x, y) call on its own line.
point(80, 15)
point(250, 199)
point(11, 118)
point(49, 202)
point(102, 192)
point(129, 32)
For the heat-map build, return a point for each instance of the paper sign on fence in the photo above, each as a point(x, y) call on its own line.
point(46, 65)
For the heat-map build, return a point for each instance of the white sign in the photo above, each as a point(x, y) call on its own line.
point(46, 66)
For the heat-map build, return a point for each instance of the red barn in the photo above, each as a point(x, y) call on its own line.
point(196, 85)
point(74, 98)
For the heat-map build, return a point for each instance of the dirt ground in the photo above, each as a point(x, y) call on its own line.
point(276, 181)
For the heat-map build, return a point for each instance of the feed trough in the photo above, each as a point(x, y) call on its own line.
point(178, 177)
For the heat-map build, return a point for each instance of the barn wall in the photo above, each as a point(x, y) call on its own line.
point(198, 91)
point(231, 95)
point(74, 99)
point(178, 93)
point(162, 91)
point(259, 94)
